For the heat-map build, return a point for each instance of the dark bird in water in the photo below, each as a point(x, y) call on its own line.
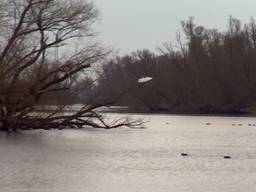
point(208, 123)
point(184, 154)
point(227, 157)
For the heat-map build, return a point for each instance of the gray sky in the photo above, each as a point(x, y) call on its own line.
point(129, 25)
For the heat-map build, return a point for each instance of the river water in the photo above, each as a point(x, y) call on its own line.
point(134, 160)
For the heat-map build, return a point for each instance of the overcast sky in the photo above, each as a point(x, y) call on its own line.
point(129, 25)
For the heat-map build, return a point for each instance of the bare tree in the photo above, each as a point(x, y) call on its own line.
point(29, 71)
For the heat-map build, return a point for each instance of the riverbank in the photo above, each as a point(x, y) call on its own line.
point(141, 110)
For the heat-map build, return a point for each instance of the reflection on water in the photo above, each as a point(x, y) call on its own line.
point(125, 160)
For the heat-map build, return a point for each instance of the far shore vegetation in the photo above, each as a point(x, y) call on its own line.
point(204, 71)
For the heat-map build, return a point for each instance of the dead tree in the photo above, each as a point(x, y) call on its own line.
point(30, 32)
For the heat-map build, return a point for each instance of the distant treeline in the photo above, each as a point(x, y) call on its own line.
point(205, 71)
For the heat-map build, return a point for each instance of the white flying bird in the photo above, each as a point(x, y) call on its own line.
point(144, 79)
